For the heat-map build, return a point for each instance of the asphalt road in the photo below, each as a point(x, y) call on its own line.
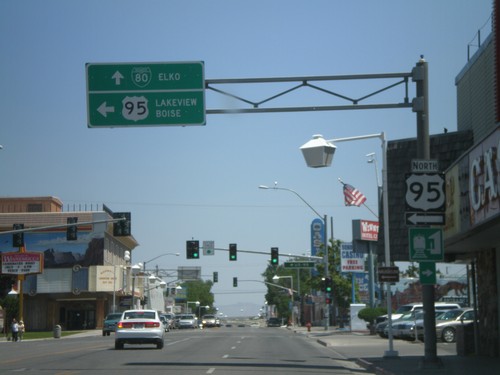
point(218, 351)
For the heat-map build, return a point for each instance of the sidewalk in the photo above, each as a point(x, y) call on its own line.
point(90, 332)
point(369, 351)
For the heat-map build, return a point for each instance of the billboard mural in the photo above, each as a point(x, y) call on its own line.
point(57, 251)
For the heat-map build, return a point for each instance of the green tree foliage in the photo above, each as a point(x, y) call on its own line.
point(309, 281)
point(198, 290)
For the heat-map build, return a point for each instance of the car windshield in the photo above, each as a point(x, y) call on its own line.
point(450, 315)
point(186, 317)
point(139, 315)
point(403, 309)
point(114, 316)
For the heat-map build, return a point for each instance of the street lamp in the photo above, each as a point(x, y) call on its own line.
point(318, 153)
point(276, 278)
point(135, 271)
point(325, 233)
point(197, 303)
point(159, 256)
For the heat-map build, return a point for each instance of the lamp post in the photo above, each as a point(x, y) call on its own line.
point(317, 153)
point(135, 271)
point(197, 303)
point(325, 233)
point(276, 278)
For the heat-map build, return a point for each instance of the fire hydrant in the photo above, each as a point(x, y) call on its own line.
point(308, 325)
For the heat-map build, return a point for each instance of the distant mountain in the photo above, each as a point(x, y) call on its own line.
point(240, 309)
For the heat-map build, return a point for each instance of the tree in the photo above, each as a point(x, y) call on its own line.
point(199, 290)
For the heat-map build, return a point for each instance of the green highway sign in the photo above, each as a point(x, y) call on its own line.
point(299, 264)
point(145, 94)
point(427, 272)
point(426, 244)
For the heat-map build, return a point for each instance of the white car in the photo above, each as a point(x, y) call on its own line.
point(139, 327)
point(187, 321)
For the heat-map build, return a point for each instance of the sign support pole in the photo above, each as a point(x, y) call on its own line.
point(423, 153)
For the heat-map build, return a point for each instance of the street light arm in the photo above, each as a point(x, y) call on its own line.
point(294, 192)
point(358, 137)
point(159, 256)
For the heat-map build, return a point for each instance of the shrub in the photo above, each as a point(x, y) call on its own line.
point(369, 314)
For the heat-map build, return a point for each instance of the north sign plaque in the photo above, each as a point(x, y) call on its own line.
point(145, 94)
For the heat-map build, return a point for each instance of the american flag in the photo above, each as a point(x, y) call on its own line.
point(352, 196)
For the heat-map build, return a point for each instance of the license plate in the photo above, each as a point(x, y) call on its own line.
point(138, 326)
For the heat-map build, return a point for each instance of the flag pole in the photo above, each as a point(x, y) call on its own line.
point(364, 204)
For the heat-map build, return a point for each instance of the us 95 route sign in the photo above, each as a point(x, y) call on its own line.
point(425, 192)
point(145, 94)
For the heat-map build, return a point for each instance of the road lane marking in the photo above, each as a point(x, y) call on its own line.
point(225, 356)
point(211, 370)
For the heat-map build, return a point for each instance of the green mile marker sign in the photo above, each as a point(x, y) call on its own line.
point(145, 94)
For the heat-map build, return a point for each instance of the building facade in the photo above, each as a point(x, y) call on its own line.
point(81, 280)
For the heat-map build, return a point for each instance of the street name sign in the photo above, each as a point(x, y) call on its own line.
point(427, 273)
point(145, 94)
point(299, 264)
point(426, 244)
point(388, 274)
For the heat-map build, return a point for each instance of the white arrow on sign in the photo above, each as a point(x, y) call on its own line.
point(426, 219)
point(104, 109)
point(427, 273)
point(117, 77)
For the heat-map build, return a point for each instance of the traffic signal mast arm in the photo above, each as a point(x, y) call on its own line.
point(268, 283)
point(33, 229)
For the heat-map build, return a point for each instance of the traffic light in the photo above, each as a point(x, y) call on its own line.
point(192, 249)
point(216, 277)
point(235, 282)
point(328, 285)
point(233, 249)
point(18, 238)
point(275, 256)
point(122, 228)
point(328, 300)
point(71, 230)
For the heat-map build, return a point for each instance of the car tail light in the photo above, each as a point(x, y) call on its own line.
point(151, 324)
point(124, 325)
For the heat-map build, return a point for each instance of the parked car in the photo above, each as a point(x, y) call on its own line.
point(208, 320)
point(139, 327)
point(187, 321)
point(415, 306)
point(110, 323)
point(419, 325)
point(446, 325)
point(439, 307)
point(400, 326)
point(274, 322)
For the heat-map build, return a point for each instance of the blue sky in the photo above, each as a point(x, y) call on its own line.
point(202, 182)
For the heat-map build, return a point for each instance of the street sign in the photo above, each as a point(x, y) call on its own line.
point(426, 244)
point(425, 192)
point(299, 264)
point(145, 94)
point(427, 272)
point(423, 218)
point(208, 247)
point(388, 274)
